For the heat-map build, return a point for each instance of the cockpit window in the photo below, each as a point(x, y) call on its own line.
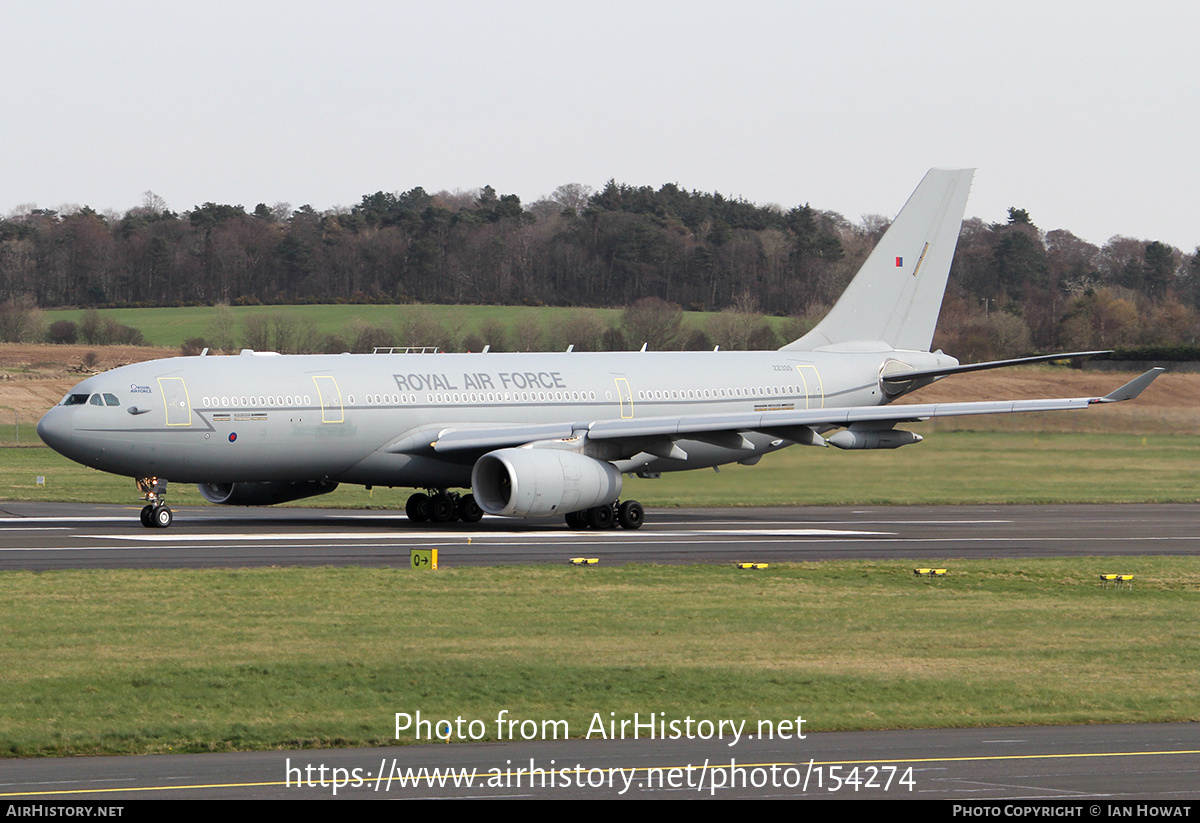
point(111, 400)
point(75, 399)
point(96, 400)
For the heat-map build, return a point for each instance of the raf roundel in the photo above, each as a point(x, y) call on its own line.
point(232, 436)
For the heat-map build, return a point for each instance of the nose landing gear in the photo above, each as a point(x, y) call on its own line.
point(155, 515)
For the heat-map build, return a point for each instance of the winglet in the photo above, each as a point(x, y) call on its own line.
point(1133, 388)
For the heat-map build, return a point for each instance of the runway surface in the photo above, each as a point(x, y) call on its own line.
point(1087, 765)
point(41, 536)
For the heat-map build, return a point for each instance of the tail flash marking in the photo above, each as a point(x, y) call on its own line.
point(920, 259)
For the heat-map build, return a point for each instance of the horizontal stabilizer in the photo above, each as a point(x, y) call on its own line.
point(904, 377)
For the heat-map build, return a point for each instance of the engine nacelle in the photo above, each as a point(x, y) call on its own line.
point(262, 494)
point(542, 482)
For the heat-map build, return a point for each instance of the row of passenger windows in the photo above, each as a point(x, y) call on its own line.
point(285, 401)
point(717, 394)
point(405, 399)
point(517, 397)
point(259, 402)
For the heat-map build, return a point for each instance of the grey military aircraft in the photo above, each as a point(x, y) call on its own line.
point(540, 434)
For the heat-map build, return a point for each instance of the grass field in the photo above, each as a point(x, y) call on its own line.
point(171, 661)
point(172, 326)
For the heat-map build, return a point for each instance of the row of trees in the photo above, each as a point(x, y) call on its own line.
point(604, 249)
point(1010, 282)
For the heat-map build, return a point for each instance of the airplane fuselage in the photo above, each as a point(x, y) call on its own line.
point(370, 419)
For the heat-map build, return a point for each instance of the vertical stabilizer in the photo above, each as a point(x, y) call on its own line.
point(894, 300)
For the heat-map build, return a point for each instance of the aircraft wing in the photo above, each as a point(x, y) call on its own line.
point(789, 424)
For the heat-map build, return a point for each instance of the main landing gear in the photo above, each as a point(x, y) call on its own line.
point(628, 515)
point(155, 515)
point(441, 506)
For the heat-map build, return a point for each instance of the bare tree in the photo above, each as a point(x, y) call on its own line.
point(256, 332)
point(20, 320)
point(572, 196)
point(654, 322)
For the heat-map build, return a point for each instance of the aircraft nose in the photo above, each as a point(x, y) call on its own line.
point(56, 428)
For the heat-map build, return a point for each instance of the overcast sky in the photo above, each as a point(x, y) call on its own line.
point(1083, 113)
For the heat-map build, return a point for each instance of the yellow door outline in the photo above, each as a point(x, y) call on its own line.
point(175, 400)
point(812, 386)
point(625, 396)
point(332, 410)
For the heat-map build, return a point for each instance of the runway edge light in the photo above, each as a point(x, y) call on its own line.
point(754, 566)
point(584, 561)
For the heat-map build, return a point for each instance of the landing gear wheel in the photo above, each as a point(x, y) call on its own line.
point(469, 510)
point(577, 520)
point(162, 517)
point(441, 508)
point(631, 515)
point(601, 517)
point(147, 513)
point(417, 508)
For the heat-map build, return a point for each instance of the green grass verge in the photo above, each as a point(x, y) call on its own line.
point(172, 326)
point(154, 661)
point(949, 467)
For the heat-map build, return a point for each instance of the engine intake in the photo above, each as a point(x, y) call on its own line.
point(542, 482)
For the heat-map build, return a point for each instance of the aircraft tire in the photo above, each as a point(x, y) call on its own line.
point(631, 515)
point(146, 514)
point(441, 509)
point(577, 520)
point(417, 508)
point(162, 517)
point(601, 517)
point(469, 510)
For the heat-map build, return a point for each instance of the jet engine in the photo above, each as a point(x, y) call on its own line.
point(542, 482)
point(263, 494)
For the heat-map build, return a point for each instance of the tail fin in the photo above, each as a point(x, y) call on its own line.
point(894, 300)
